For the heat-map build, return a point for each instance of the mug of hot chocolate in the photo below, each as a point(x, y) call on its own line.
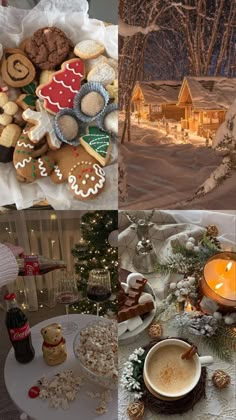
point(172, 368)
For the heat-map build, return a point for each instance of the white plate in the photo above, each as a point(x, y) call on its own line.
point(130, 336)
point(20, 378)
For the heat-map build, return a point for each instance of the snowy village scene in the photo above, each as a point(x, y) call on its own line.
point(177, 98)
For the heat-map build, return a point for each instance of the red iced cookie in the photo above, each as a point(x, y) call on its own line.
point(60, 91)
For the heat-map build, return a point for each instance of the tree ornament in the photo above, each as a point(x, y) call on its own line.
point(229, 320)
point(220, 379)
point(155, 330)
point(189, 246)
point(218, 316)
point(113, 238)
point(135, 410)
point(212, 231)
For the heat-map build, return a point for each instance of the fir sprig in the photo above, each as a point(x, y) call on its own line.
point(188, 262)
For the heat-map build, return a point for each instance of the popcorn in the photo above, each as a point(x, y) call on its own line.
point(98, 349)
point(61, 389)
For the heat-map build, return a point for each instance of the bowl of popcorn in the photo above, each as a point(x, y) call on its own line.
point(96, 348)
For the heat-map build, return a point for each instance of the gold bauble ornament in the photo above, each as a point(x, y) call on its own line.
point(220, 379)
point(135, 410)
point(155, 330)
point(212, 230)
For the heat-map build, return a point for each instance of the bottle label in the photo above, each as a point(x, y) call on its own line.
point(31, 265)
point(18, 334)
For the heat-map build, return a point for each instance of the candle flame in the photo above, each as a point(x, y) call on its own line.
point(188, 308)
point(219, 285)
point(229, 266)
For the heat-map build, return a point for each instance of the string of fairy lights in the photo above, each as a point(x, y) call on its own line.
point(95, 250)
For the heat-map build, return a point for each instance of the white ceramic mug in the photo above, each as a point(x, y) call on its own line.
point(199, 362)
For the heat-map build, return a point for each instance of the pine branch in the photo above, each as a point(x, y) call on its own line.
point(219, 346)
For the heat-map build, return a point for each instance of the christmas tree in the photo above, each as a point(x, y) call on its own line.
point(97, 249)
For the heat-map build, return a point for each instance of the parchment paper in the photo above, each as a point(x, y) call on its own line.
point(72, 17)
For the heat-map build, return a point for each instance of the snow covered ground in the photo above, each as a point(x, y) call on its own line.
point(164, 173)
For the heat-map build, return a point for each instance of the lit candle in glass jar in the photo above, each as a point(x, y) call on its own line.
point(219, 280)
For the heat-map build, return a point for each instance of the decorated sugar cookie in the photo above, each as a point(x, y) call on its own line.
point(97, 143)
point(42, 126)
point(65, 158)
point(60, 91)
point(86, 180)
point(28, 165)
point(74, 165)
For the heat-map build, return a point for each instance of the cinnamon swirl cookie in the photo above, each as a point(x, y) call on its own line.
point(17, 69)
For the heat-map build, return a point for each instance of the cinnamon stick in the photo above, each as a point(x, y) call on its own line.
point(188, 354)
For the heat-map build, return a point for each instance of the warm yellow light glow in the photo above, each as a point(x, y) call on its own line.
point(53, 216)
point(219, 285)
point(220, 275)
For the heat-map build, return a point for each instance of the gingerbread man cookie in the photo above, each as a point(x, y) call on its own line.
point(42, 126)
point(84, 175)
point(26, 162)
point(60, 91)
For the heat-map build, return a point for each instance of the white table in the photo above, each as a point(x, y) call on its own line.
point(20, 378)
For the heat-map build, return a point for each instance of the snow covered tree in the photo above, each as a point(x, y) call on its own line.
point(225, 140)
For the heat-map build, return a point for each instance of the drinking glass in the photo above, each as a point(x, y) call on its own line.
point(66, 294)
point(99, 286)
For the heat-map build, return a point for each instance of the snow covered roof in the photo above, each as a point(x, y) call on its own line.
point(159, 91)
point(208, 92)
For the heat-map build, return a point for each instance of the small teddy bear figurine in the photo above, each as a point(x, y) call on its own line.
point(54, 345)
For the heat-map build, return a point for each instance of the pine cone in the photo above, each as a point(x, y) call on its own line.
point(220, 379)
point(212, 230)
point(135, 410)
point(155, 330)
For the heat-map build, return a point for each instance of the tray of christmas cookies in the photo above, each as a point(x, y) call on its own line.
point(136, 306)
point(58, 119)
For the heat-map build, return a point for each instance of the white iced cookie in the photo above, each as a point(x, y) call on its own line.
point(111, 122)
point(93, 62)
point(103, 73)
point(114, 64)
point(145, 297)
point(88, 49)
point(132, 278)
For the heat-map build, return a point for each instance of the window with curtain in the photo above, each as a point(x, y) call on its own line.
point(49, 233)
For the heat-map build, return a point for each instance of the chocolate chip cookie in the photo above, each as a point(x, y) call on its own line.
point(48, 48)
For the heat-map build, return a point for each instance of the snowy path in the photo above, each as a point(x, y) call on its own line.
point(163, 174)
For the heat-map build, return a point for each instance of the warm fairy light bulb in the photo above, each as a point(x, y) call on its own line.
point(53, 216)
